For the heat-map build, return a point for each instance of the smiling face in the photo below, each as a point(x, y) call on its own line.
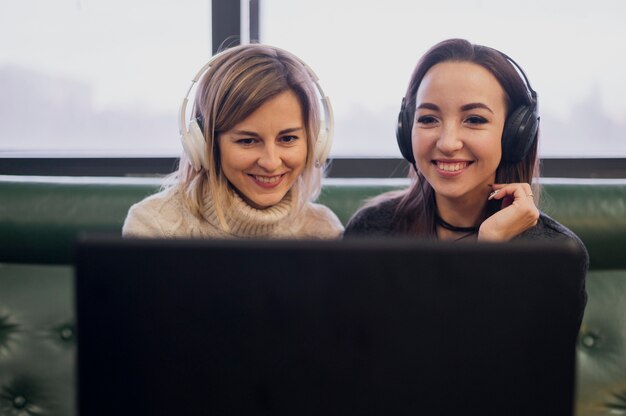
point(457, 130)
point(263, 155)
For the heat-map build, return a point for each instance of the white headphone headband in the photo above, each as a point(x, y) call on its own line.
point(192, 137)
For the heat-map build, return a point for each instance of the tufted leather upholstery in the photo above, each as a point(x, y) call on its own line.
point(602, 346)
point(40, 217)
point(37, 346)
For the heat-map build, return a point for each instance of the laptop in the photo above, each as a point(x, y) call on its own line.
point(358, 327)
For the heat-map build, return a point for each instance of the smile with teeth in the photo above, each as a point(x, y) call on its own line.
point(451, 166)
point(267, 179)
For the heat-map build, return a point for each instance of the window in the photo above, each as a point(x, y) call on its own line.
point(106, 78)
point(98, 76)
point(364, 52)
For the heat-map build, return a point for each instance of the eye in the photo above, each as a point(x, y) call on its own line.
point(426, 120)
point(288, 139)
point(477, 120)
point(246, 141)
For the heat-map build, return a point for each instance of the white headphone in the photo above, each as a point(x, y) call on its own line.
point(192, 137)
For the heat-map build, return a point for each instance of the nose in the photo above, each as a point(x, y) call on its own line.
point(270, 159)
point(449, 140)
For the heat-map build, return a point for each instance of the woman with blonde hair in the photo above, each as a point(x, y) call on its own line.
point(254, 153)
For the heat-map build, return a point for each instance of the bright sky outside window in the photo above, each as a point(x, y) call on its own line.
point(107, 77)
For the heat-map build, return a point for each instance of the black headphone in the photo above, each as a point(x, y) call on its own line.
point(520, 127)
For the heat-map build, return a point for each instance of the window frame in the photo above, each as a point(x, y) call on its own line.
point(46, 165)
point(226, 29)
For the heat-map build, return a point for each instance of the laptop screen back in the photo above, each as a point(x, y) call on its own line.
point(315, 328)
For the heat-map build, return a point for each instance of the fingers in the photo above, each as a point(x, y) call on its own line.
point(519, 191)
point(517, 213)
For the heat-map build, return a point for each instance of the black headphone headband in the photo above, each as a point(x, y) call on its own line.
point(518, 136)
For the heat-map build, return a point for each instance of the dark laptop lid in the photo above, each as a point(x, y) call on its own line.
point(355, 327)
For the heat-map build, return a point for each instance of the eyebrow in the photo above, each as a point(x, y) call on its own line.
point(472, 106)
point(255, 134)
point(465, 107)
point(428, 106)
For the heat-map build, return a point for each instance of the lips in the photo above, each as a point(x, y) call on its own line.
point(451, 166)
point(267, 181)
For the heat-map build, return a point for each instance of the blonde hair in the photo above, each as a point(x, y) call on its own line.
point(239, 81)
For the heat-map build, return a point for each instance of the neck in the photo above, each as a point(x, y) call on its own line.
point(243, 220)
point(461, 213)
point(456, 229)
point(458, 218)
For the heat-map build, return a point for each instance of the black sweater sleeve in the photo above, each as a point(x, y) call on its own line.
point(375, 220)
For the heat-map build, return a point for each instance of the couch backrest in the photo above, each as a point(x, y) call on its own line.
point(41, 216)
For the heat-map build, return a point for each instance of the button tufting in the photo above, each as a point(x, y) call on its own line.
point(6, 331)
point(19, 402)
point(66, 334)
point(589, 340)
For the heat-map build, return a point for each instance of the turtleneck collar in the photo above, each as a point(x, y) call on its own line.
point(246, 221)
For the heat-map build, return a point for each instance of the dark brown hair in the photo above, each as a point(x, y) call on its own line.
point(415, 212)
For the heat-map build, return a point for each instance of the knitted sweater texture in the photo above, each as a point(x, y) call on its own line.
point(165, 215)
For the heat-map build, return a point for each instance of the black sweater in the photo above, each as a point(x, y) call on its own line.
point(380, 221)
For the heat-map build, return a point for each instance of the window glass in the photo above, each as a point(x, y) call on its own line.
point(364, 52)
point(98, 76)
point(107, 76)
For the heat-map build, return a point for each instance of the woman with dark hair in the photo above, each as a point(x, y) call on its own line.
point(469, 127)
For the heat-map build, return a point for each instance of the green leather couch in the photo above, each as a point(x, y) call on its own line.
point(41, 216)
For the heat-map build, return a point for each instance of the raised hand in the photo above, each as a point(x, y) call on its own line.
point(518, 213)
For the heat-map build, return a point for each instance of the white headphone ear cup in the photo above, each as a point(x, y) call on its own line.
point(199, 143)
point(188, 149)
point(195, 146)
point(322, 147)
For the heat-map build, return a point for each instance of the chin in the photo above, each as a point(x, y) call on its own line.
point(450, 193)
point(266, 201)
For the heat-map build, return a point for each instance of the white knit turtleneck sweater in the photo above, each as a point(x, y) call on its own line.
point(165, 215)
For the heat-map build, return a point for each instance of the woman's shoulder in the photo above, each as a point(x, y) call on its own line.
point(161, 201)
point(152, 216)
point(318, 221)
point(377, 217)
point(549, 229)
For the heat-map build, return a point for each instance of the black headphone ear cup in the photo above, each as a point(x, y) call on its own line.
point(403, 133)
point(520, 130)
